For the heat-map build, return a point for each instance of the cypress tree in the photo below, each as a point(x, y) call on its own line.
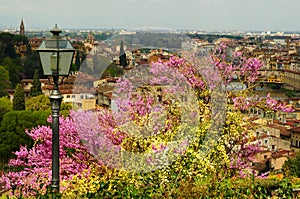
point(35, 89)
point(83, 57)
point(19, 99)
point(122, 57)
point(77, 60)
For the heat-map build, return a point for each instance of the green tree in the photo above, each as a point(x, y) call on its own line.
point(5, 106)
point(122, 56)
point(12, 130)
point(73, 67)
point(65, 109)
point(19, 99)
point(291, 167)
point(36, 89)
point(268, 167)
point(112, 71)
point(83, 56)
point(40, 102)
point(77, 60)
point(31, 64)
point(4, 81)
point(14, 69)
point(7, 48)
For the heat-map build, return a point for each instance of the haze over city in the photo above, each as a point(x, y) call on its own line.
point(264, 15)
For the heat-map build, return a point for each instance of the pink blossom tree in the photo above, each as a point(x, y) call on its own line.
point(172, 112)
point(34, 176)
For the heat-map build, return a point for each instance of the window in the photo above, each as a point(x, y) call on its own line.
point(273, 147)
point(68, 96)
point(266, 141)
point(265, 156)
point(73, 96)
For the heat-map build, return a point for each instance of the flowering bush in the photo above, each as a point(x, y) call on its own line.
point(35, 163)
point(174, 124)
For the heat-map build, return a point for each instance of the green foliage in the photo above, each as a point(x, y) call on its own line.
point(36, 89)
point(77, 60)
point(291, 93)
point(7, 45)
point(285, 189)
point(83, 57)
point(151, 185)
point(103, 36)
point(212, 37)
point(4, 81)
point(19, 99)
point(14, 68)
point(291, 167)
point(73, 68)
point(65, 109)
point(8, 42)
point(31, 64)
point(40, 102)
point(268, 167)
point(5, 106)
point(112, 71)
point(12, 130)
point(11, 60)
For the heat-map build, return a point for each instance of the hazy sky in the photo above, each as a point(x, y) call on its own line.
point(274, 15)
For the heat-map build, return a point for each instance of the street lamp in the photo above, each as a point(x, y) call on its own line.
point(56, 55)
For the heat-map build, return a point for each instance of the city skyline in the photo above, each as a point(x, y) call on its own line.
point(264, 15)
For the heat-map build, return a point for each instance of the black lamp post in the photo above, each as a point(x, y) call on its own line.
point(56, 55)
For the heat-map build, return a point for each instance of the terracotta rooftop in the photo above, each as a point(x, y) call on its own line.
point(83, 77)
point(296, 130)
point(283, 130)
point(281, 153)
point(109, 95)
point(105, 88)
point(266, 136)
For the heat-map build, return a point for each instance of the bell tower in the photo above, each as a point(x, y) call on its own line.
point(22, 28)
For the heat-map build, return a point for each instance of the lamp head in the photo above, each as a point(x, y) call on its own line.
point(56, 54)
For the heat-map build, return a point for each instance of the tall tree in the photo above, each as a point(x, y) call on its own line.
point(19, 99)
point(268, 167)
point(83, 56)
point(77, 60)
point(122, 56)
point(35, 89)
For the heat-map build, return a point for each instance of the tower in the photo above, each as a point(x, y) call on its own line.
point(90, 38)
point(22, 28)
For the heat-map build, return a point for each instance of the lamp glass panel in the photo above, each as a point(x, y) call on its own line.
point(65, 62)
point(46, 62)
